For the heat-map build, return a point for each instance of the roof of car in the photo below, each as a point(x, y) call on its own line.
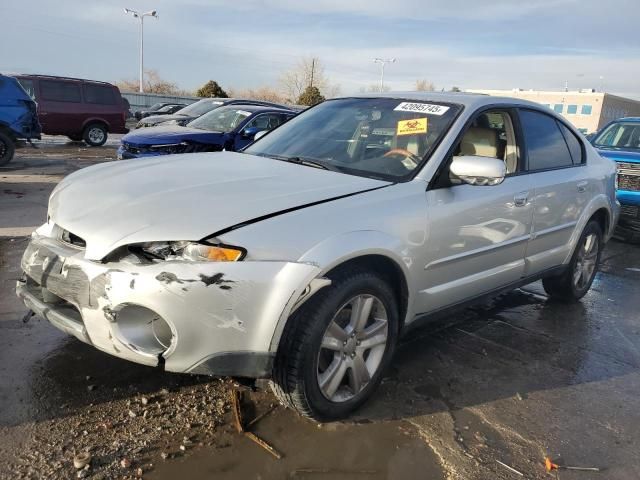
point(257, 108)
point(57, 77)
point(461, 98)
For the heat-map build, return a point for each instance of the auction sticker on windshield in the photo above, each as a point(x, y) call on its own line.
point(412, 127)
point(422, 108)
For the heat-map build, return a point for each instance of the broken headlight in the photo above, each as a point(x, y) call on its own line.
point(192, 251)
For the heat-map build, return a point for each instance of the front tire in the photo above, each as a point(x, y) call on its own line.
point(335, 348)
point(7, 148)
point(95, 135)
point(575, 282)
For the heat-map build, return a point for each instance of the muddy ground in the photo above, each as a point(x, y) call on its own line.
point(512, 380)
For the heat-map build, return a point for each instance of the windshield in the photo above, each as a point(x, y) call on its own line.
point(376, 137)
point(620, 135)
point(223, 119)
point(199, 108)
point(156, 106)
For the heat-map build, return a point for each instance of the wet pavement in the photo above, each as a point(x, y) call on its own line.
point(510, 381)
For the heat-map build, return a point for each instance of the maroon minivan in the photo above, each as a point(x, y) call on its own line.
point(80, 109)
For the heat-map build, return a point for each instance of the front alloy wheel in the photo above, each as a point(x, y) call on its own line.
point(352, 348)
point(335, 347)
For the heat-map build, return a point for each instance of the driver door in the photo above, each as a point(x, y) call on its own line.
point(477, 234)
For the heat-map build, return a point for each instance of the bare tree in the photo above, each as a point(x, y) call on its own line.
point(424, 85)
point(265, 93)
point(153, 83)
point(375, 87)
point(308, 72)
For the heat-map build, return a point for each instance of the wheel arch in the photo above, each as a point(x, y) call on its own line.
point(365, 249)
point(600, 209)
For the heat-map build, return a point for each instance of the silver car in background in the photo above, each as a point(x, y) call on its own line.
point(305, 257)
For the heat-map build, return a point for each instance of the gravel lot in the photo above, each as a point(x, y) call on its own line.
point(511, 380)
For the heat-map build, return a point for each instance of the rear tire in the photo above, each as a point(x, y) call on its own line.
point(7, 148)
point(324, 340)
point(95, 135)
point(575, 282)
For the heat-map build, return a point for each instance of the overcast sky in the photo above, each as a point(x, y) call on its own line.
point(536, 44)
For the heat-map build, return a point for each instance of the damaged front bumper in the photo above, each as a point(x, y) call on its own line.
point(216, 318)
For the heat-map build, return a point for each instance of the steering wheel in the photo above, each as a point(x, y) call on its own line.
point(408, 157)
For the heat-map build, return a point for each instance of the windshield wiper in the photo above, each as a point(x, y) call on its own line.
point(304, 161)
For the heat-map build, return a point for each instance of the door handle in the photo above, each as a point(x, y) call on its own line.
point(582, 186)
point(521, 199)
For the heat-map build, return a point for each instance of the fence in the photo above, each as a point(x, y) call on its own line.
point(139, 101)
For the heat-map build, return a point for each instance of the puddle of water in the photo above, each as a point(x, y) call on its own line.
point(333, 451)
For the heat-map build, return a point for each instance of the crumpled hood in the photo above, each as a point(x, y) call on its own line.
point(186, 197)
point(619, 155)
point(168, 134)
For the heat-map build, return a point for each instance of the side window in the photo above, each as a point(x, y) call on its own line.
point(266, 121)
point(60, 91)
point(574, 144)
point(491, 134)
point(28, 86)
point(99, 94)
point(545, 144)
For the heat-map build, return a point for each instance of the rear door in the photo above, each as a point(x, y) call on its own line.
point(59, 107)
point(477, 234)
point(555, 163)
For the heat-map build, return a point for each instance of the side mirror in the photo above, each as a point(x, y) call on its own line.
point(476, 170)
point(260, 134)
point(250, 132)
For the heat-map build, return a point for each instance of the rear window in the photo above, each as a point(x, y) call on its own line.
point(99, 94)
point(545, 143)
point(574, 144)
point(56, 91)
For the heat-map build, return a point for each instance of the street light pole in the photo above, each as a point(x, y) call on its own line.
point(383, 62)
point(140, 16)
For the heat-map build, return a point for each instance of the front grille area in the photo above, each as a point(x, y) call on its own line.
point(629, 182)
point(629, 176)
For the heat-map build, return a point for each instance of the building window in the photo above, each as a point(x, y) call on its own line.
point(572, 109)
point(586, 110)
point(558, 107)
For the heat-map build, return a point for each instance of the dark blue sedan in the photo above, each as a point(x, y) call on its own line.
point(228, 128)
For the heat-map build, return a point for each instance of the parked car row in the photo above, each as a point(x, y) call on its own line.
point(228, 126)
point(304, 258)
point(197, 109)
point(160, 108)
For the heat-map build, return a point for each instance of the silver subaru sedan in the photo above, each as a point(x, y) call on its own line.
point(305, 257)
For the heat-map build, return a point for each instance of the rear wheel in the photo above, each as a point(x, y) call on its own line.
point(95, 135)
point(7, 148)
point(575, 282)
point(335, 348)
